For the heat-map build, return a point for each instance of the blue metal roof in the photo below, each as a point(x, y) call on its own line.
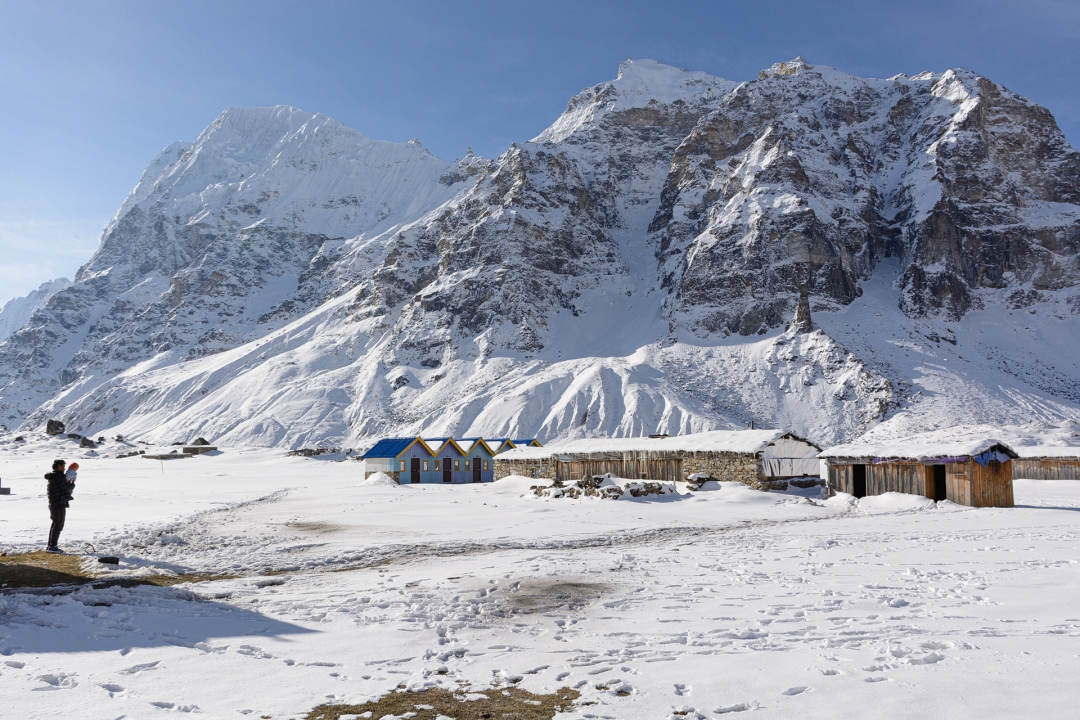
point(389, 448)
point(525, 441)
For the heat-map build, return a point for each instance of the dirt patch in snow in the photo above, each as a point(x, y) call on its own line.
point(317, 527)
point(540, 594)
point(432, 703)
point(41, 570)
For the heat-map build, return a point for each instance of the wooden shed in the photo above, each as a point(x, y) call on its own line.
point(977, 472)
point(1042, 462)
point(757, 458)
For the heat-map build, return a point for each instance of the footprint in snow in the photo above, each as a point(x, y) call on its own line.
point(797, 690)
point(877, 678)
point(15, 664)
point(737, 707)
point(174, 706)
point(829, 671)
point(112, 688)
point(136, 669)
point(681, 689)
point(928, 659)
point(57, 681)
point(206, 648)
point(255, 652)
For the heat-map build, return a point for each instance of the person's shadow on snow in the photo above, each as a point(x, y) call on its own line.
point(63, 620)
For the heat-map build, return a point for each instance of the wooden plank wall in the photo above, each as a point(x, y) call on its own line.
point(958, 483)
point(991, 486)
point(895, 477)
point(1046, 469)
point(966, 483)
point(669, 469)
point(840, 479)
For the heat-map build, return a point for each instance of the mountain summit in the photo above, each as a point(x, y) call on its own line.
point(284, 280)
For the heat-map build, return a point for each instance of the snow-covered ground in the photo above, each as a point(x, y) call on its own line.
point(702, 603)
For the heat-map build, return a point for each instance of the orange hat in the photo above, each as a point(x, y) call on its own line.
point(73, 466)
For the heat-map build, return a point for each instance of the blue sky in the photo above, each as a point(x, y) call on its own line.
point(91, 91)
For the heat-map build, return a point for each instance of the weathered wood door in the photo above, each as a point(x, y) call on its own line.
point(414, 474)
point(447, 473)
point(476, 476)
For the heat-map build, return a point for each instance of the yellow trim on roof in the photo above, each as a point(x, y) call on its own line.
point(447, 442)
point(480, 441)
point(421, 441)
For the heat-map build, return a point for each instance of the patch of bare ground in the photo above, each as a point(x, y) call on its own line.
point(541, 594)
point(461, 705)
point(317, 527)
point(42, 569)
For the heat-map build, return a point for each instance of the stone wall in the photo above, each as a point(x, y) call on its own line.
point(538, 468)
point(738, 467)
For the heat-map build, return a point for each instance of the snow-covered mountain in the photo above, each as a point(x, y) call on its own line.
point(18, 311)
point(284, 280)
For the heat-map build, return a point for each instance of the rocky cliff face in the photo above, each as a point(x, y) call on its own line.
point(284, 280)
point(18, 311)
point(812, 176)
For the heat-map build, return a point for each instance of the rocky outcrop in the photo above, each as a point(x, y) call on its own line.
point(809, 176)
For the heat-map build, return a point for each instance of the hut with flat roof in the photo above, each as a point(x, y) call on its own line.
point(976, 472)
point(759, 458)
point(1045, 462)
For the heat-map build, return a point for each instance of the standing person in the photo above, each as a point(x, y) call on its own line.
point(60, 490)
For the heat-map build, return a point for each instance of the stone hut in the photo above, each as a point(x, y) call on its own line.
point(762, 459)
point(976, 472)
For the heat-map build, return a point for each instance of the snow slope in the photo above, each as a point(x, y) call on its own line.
point(285, 281)
point(684, 605)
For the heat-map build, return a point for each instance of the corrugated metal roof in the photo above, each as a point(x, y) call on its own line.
point(389, 447)
point(392, 447)
point(525, 441)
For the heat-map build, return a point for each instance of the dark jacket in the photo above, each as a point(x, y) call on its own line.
point(59, 489)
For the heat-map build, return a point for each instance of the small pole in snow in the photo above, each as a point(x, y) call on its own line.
point(162, 466)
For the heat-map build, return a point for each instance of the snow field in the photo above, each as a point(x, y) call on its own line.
point(703, 604)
